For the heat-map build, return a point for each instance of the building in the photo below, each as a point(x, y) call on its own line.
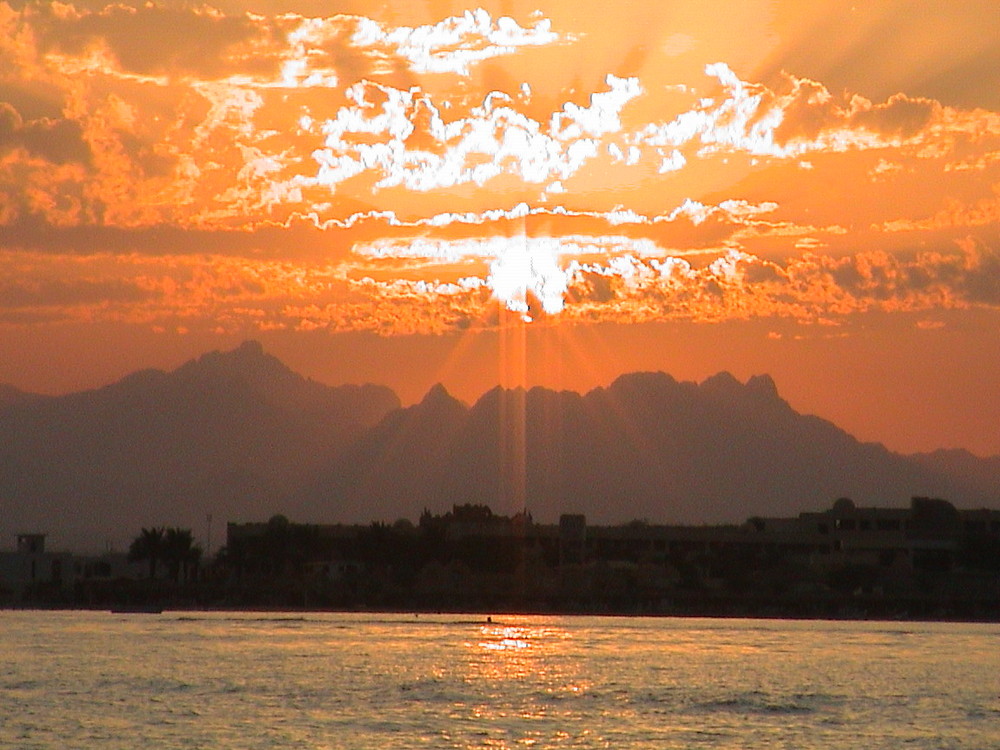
point(31, 568)
point(31, 571)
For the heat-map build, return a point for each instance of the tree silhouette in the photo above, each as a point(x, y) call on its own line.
point(180, 553)
point(149, 545)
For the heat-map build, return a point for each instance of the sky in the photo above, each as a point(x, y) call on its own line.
point(526, 193)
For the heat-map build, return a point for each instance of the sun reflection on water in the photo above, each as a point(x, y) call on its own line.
point(524, 670)
point(516, 649)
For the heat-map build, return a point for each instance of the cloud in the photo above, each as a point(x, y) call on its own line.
point(203, 290)
point(900, 115)
point(55, 140)
point(954, 214)
point(434, 166)
point(798, 118)
point(403, 138)
point(615, 278)
point(157, 40)
point(58, 293)
point(345, 49)
point(533, 278)
point(248, 121)
point(455, 43)
point(811, 289)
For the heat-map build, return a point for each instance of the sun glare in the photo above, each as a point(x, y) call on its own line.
point(517, 648)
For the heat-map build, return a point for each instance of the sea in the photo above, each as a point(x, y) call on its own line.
point(263, 680)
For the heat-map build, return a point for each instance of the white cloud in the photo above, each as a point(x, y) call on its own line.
point(519, 266)
point(602, 116)
point(736, 211)
point(493, 139)
point(740, 121)
point(452, 45)
point(752, 119)
point(672, 163)
point(496, 138)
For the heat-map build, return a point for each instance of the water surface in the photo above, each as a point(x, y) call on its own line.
point(264, 681)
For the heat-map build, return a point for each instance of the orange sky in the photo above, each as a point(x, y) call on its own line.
point(553, 192)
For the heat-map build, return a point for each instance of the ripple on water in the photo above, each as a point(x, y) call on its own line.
point(271, 681)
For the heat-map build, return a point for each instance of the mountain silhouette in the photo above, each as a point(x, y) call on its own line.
point(231, 433)
point(9, 396)
point(646, 447)
point(973, 472)
point(239, 435)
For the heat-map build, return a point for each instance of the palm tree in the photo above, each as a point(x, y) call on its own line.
point(149, 546)
point(180, 552)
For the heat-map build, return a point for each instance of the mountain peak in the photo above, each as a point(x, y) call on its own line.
point(763, 385)
point(722, 382)
point(249, 349)
point(759, 388)
point(643, 381)
point(437, 395)
point(248, 359)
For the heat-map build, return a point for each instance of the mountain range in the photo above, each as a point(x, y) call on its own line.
point(239, 436)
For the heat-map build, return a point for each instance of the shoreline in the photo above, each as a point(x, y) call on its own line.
point(711, 614)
